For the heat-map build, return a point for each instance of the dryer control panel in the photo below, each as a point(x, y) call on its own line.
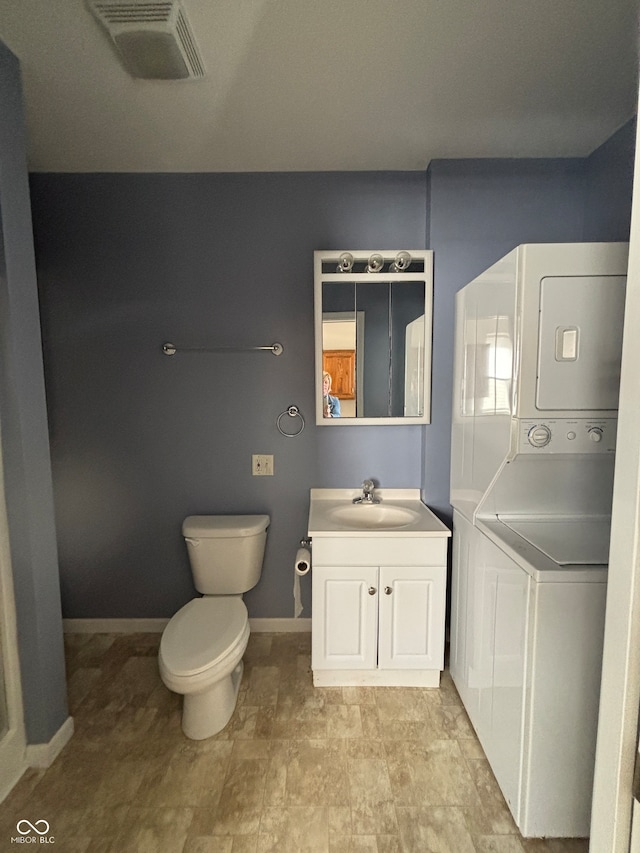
point(588, 435)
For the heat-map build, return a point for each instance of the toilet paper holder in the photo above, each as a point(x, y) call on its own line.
point(301, 567)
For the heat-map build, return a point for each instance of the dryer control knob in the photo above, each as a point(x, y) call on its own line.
point(539, 435)
point(595, 434)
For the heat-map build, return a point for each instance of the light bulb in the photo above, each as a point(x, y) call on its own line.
point(345, 262)
point(375, 263)
point(401, 263)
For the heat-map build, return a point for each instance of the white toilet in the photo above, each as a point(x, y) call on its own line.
point(202, 646)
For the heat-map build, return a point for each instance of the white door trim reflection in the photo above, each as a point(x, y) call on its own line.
point(12, 739)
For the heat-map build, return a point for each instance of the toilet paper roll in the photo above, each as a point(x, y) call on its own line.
point(300, 567)
point(303, 561)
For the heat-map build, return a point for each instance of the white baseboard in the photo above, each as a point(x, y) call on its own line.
point(42, 755)
point(157, 626)
point(376, 677)
point(280, 626)
point(114, 626)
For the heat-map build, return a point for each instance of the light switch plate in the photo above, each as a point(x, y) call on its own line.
point(262, 465)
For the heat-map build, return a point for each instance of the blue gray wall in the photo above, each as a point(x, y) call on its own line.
point(24, 442)
point(140, 440)
point(609, 187)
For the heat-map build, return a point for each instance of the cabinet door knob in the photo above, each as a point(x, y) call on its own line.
point(387, 590)
point(372, 590)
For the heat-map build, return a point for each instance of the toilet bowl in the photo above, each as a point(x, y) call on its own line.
point(202, 646)
point(201, 658)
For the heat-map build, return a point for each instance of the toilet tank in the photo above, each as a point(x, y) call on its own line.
point(225, 551)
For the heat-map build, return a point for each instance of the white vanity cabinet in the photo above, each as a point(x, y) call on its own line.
point(378, 609)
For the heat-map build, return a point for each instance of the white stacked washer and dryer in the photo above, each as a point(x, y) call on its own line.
point(537, 363)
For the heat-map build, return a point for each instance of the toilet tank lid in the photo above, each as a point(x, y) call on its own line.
point(224, 526)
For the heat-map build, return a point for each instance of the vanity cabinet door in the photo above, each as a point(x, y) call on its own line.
point(345, 617)
point(411, 613)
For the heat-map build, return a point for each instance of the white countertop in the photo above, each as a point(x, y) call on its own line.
point(323, 501)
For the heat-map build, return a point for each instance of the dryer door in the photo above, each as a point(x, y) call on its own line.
point(580, 343)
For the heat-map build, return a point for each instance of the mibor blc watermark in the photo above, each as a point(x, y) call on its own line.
point(33, 833)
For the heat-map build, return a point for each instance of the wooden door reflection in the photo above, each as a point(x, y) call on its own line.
point(341, 365)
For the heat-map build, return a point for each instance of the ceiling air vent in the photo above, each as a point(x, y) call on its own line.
point(154, 40)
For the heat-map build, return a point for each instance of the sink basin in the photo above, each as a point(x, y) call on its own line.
point(372, 516)
point(399, 514)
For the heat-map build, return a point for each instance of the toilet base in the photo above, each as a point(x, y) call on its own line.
point(207, 713)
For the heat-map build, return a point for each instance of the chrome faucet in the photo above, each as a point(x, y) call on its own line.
point(367, 496)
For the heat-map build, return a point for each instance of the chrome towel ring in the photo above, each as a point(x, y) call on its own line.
point(293, 412)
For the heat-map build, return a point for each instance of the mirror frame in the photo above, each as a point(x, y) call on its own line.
point(425, 258)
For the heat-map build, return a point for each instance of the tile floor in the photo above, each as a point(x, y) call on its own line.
point(393, 770)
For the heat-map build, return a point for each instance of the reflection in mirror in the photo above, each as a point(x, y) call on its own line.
point(339, 348)
point(406, 313)
point(373, 342)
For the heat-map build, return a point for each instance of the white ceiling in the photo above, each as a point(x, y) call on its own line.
point(330, 84)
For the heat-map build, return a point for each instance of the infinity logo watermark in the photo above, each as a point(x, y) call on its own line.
point(32, 827)
point(27, 830)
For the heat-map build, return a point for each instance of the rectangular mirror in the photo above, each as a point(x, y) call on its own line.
point(373, 326)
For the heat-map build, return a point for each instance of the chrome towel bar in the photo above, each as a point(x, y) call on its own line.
point(172, 349)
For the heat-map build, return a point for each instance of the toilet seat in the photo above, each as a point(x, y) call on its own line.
point(202, 634)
